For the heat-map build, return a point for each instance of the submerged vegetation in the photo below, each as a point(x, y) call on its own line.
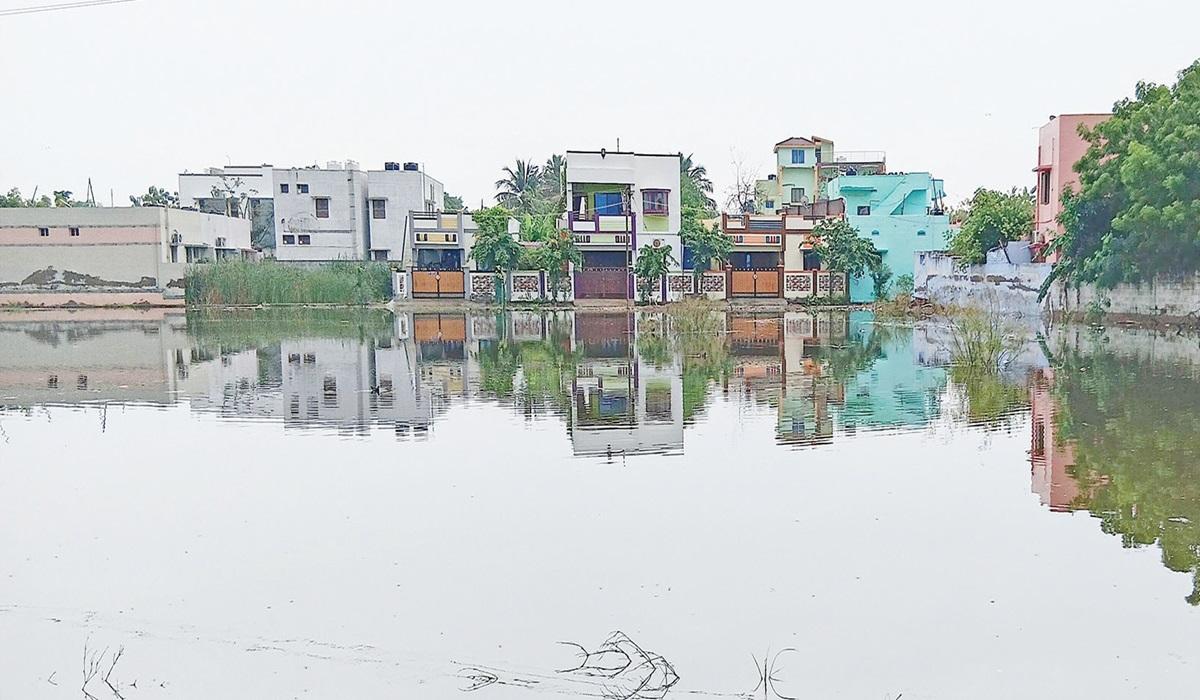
point(248, 283)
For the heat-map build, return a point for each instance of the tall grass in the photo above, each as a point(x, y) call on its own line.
point(982, 342)
point(268, 282)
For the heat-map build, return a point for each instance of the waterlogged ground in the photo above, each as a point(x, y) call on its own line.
point(369, 505)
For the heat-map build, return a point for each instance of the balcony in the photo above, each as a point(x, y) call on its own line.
point(439, 229)
point(763, 230)
point(601, 229)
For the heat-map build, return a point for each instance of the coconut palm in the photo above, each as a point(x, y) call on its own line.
point(697, 175)
point(518, 189)
point(554, 182)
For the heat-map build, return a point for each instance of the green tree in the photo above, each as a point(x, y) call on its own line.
point(451, 202)
point(554, 184)
point(62, 198)
point(992, 219)
point(156, 197)
point(696, 186)
point(843, 250)
point(708, 245)
point(881, 277)
point(520, 188)
point(1134, 216)
point(651, 264)
point(12, 199)
point(554, 255)
point(494, 247)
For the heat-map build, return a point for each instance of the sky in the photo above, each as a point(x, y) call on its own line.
point(132, 94)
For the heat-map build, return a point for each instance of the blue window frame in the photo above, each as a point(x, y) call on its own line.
point(609, 203)
point(797, 156)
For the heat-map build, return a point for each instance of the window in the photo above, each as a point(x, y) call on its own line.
point(798, 195)
point(864, 211)
point(921, 232)
point(283, 188)
point(875, 232)
point(1045, 186)
point(770, 204)
point(797, 156)
point(379, 255)
point(609, 203)
point(289, 240)
point(378, 208)
point(654, 202)
point(52, 382)
point(44, 232)
point(74, 232)
point(305, 239)
point(302, 188)
point(321, 205)
point(817, 155)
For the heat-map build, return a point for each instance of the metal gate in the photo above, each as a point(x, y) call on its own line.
point(602, 283)
point(436, 284)
point(754, 283)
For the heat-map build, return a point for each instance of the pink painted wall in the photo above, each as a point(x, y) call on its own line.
point(88, 235)
point(1059, 147)
point(87, 298)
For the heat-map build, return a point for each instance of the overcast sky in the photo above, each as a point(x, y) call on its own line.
point(133, 94)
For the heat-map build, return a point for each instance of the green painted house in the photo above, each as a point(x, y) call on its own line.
point(900, 213)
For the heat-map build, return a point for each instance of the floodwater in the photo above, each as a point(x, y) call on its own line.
point(374, 505)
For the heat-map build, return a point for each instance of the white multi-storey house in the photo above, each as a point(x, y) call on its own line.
point(619, 202)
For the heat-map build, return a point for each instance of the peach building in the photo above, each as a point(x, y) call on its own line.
point(98, 256)
point(1059, 147)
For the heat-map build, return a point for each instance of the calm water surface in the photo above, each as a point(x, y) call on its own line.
point(377, 505)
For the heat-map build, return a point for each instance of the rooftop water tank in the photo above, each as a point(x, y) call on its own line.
point(412, 167)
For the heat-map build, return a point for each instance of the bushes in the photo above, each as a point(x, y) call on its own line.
point(240, 282)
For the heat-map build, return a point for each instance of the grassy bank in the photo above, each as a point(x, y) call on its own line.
point(268, 282)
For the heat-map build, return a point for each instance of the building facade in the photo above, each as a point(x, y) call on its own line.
point(796, 180)
point(312, 214)
point(619, 202)
point(1059, 147)
point(900, 213)
point(242, 191)
point(109, 255)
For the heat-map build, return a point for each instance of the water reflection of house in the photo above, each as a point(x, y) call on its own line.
point(776, 361)
point(887, 384)
point(90, 356)
point(808, 390)
point(621, 403)
point(1050, 459)
point(347, 383)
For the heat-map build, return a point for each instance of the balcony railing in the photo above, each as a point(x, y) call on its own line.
point(857, 157)
point(593, 223)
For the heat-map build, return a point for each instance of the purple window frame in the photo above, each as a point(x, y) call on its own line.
point(650, 208)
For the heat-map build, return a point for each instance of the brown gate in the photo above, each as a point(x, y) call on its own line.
point(755, 283)
point(602, 283)
point(438, 283)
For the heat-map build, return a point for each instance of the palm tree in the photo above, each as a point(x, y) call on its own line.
point(554, 181)
point(698, 176)
point(62, 198)
point(518, 189)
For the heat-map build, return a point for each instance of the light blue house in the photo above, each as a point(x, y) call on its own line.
point(900, 213)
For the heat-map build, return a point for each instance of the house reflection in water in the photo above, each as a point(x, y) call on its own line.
point(616, 380)
point(1051, 458)
point(621, 403)
point(51, 357)
point(348, 382)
